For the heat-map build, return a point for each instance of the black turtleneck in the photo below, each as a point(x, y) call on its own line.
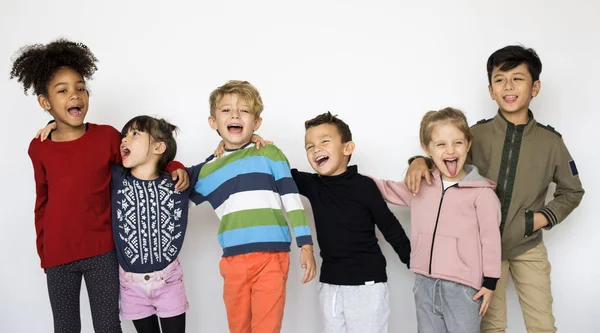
point(346, 209)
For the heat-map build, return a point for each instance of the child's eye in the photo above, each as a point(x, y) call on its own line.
point(246, 111)
point(518, 78)
point(225, 110)
point(82, 89)
point(309, 147)
point(459, 142)
point(441, 144)
point(62, 91)
point(325, 141)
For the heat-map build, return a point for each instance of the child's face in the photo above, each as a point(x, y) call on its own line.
point(140, 149)
point(513, 89)
point(325, 152)
point(448, 149)
point(233, 121)
point(67, 98)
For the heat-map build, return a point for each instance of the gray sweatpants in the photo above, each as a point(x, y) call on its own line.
point(355, 309)
point(445, 307)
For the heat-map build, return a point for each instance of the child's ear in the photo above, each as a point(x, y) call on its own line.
point(257, 123)
point(426, 149)
point(212, 122)
point(491, 90)
point(349, 148)
point(537, 85)
point(44, 103)
point(159, 148)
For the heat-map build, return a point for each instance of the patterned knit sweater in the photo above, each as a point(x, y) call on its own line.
point(149, 219)
point(248, 189)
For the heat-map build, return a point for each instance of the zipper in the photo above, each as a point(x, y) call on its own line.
point(510, 152)
point(437, 220)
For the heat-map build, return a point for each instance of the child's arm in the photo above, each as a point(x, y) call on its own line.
point(569, 191)
point(41, 198)
point(290, 197)
point(387, 223)
point(489, 216)
point(302, 179)
point(396, 193)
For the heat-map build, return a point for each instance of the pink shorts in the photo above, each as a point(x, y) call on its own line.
point(161, 293)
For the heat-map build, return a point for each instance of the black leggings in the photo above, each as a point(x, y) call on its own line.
point(169, 325)
point(101, 274)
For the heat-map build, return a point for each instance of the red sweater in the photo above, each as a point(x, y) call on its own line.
point(72, 206)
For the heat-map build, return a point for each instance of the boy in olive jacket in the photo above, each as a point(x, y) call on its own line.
point(523, 157)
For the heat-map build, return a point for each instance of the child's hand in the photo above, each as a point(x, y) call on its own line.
point(416, 171)
point(259, 141)
point(220, 149)
point(45, 132)
point(307, 261)
point(487, 297)
point(182, 178)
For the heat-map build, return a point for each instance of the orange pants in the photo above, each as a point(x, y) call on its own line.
point(254, 291)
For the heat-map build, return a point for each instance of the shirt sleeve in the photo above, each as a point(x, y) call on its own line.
point(302, 180)
point(568, 193)
point(396, 193)
point(41, 198)
point(115, 146)
point(489, 216)
point(290, 198)
point(386, 222)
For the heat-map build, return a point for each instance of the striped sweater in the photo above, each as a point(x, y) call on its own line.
point(248, 189)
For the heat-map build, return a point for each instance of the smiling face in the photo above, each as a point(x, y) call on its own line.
point(325, 152)
point(234, 121)
point(67, 98)
point(513, 89)
point(448, 148)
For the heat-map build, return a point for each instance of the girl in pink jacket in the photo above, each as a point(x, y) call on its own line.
point(455, 235)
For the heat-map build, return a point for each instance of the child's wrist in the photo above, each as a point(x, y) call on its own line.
point(306, 248)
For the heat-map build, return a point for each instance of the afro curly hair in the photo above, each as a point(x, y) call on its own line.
point(34, 65)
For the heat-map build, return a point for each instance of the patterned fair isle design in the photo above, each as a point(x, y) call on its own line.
point(149, 228)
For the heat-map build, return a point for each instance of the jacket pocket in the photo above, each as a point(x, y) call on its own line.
point(528, 223)
point(446, 259)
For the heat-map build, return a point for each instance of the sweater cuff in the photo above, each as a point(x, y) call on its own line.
point(428, 160)
point(550, 217)
point(489, 283)
point(304, 240)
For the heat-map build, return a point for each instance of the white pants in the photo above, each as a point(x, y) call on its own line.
point(355, 309)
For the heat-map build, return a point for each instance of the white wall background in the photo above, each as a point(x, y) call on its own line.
point(378, 64)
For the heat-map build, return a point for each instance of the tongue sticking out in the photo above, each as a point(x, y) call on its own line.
point(451, 166)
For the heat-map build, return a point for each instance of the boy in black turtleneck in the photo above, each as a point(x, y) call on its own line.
point(347, 206)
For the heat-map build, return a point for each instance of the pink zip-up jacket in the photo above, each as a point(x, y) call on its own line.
point(455, 233)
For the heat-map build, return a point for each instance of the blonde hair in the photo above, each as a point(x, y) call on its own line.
point(448, 116)
point(241, 88)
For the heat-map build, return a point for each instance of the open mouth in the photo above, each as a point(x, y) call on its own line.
point(235, 128)
point(125, 152)
point(451, 165)
point(321, 160)
point(510, 98)
point(75, 111)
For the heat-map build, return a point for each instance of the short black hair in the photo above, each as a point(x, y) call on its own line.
point(512, 56)
point(35, 65)
point(328, 118)
point(160, 130)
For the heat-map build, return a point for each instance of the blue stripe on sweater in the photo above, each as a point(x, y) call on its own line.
point(248, 165)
